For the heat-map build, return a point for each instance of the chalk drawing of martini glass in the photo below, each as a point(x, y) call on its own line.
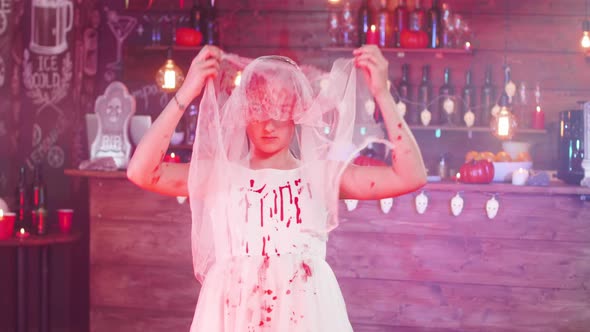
point(121, 27)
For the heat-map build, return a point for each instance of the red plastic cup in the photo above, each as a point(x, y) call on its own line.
point(7, 225)
point(64, 218)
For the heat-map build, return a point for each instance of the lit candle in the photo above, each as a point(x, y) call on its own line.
point(467, 46)
point(172, 158)
point(520, 176)
point(372, 38)
point(22, 234)
point(539, 118)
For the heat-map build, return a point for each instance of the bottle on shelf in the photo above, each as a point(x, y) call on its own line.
point(447, 113)
point(434, 25)
point(418, 17)
point(509, 86)
point(404, 90)
point(521, 108)
point(423, 114)
point(21, 200)
point(400, 22)
point(384, 28)
point(364, 22)
point(348, 27)
point(195, 16)
point(210, 25)
point(39, 208)
point(468, 102)
point(488, 100)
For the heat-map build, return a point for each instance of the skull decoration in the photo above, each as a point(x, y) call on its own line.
point(370, 107)
point(421, 203)
point(425, 117)
point(469, 119)
point(457, 205)
point(401, 108)
point(449, 106)
point(492, 207)
point(351, 204)
point(181, 199)
point(386, 204)
point(114, 109)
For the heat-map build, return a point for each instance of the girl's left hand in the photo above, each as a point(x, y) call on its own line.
point(375, 67)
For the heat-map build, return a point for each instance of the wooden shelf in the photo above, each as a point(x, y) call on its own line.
point(174, 48)
point(473, 129)
point(41, 240)
point(401, 52)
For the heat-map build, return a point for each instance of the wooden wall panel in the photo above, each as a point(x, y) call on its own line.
point(460, 259)
point(124, 285)
point(464, 307)
point(125, 201)
point(138, 320)
point(515, 220)
point(143, 242)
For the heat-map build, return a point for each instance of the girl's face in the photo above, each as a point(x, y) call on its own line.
point(270, 136)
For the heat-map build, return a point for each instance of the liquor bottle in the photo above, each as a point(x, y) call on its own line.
point(509, 86)
point(195, 16)
point(21, 200)
point(400, 21)
point(424, 99)
point(468, 101)
point(447, 103)
point(418, 17)
point(434, 25)
point(348, 27)
point(521, 107)
point(405, 90)
point(384, 28)
point(488, 100)
point(39, 210)
point(364, 22)
point(209, 24)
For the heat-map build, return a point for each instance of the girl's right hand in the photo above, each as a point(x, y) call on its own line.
point(204, 66)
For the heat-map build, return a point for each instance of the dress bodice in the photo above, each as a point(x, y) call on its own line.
point(273, 212)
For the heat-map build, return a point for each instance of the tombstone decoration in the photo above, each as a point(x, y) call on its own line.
point(114, 110)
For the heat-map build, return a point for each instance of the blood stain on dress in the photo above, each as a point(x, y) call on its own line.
point(399, 137)
point(264, 253)
point(298, 210)
point(399, 125)
point(307, 270)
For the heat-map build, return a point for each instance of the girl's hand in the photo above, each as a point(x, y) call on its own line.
point(375, 67)
point(204, 66)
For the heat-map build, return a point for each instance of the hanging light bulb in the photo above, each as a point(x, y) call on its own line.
point(238, 79)
point(504, 124)
point(169, 77)
point(585, 42)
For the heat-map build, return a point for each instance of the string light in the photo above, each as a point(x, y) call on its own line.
point(585, 42)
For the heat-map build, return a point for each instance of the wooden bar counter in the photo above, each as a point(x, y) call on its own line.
point(528, 269)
